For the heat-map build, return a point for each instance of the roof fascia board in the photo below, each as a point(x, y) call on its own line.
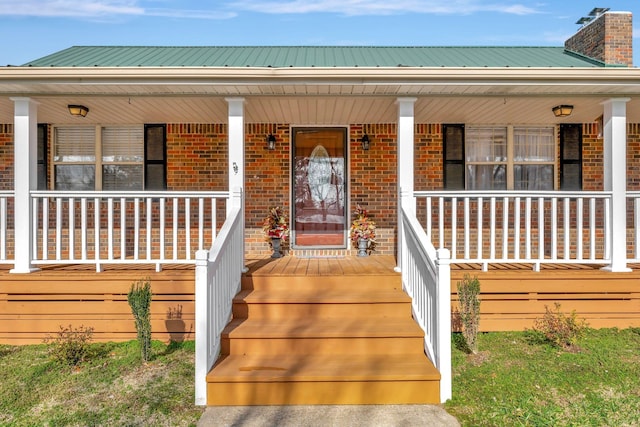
point(374, 75)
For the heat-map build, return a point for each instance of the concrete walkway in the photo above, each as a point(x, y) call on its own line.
point(327, 416)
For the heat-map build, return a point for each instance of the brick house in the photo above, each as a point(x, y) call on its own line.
point(501, 154)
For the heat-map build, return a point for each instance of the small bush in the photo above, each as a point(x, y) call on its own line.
point(139, 298)
point(560, 329)
point(70, 346)
point(469, 300)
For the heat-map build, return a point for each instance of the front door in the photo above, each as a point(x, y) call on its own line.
point(319, 187)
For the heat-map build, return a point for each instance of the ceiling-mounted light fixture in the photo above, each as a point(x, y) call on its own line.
point(78, 110)
point(271, 142)
point(562, 110)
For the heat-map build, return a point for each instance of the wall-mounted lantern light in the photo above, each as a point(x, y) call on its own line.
point(78, 110)
point(271, 142)
point(366, 143)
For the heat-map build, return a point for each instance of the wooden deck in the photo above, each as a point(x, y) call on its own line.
point(37, 304)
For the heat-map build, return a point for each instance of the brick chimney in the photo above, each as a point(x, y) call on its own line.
point(606, 38)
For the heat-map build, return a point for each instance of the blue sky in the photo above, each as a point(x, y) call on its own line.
point(30, 29)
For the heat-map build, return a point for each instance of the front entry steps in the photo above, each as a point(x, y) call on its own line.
point(322, 339)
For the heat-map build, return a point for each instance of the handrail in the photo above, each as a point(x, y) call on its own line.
point(633, 242)
point(124, 227)
point(520, 226)
point(218, 280)
point(6, 238)
point(426, 278)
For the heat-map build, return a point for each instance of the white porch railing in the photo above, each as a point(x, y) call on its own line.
point(519, 227)
point(218, 277)
point(6, 232)
point(426, 277)
point(633, 226)
point(123, 227)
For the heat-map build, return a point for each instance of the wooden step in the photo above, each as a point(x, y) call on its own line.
point(309, 302)
point(323, 336)
point(364, 282)
point(323, 380)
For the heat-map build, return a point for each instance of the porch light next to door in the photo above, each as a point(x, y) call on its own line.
point(562, 110)
point(78, 110)
point(365, 142)
point(271, 142)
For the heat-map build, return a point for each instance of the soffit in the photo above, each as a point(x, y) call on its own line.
point(318, 110)
point(322, 96)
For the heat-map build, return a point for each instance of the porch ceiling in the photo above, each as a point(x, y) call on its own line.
point(520, 96)
point(320, 110)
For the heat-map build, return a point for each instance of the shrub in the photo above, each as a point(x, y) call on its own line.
point(560, 329)
point(139, 298)
point(469, 300)
point(70, 346)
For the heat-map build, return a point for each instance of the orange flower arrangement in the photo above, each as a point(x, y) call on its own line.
point(362, 227)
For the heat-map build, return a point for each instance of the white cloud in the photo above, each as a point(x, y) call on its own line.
point(100, 9)
point(68, 8)
point(379, 7)
point(230, 8)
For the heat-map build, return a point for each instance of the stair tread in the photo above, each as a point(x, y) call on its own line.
point(274, 368)
point(343, 295)
point(323, 327)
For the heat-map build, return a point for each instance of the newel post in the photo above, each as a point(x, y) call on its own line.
point(443, 355)
point(237, 200)
point(202, 326)
point(25, 146)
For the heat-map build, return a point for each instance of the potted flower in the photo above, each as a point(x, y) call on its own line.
point(363, 232)
point(275, 229)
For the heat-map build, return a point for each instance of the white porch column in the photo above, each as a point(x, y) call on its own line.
point(405, 165)
point(236, 143)
point(25, 146)
point(236, 157)
point(615, 178)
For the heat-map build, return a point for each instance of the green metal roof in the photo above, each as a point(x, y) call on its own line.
point(312, 56)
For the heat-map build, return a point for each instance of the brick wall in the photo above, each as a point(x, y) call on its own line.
point(6, 157)
point(197, 160)
point(197, 157)
point(428, 171)
point(608, 38)
point(592, 158)
point(633, 156)
point(374, 181)
point(267, 180)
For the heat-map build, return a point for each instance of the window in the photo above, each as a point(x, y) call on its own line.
point(122, 155)
point(486, 156)
point(499, 157)
point(533, 158)
point(74, 158)
point(114, 161)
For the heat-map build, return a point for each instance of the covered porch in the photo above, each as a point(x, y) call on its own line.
point(220, 186)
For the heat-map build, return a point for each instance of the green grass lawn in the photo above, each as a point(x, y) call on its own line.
point(512, 381)
point(112, 388)
point(515, 380)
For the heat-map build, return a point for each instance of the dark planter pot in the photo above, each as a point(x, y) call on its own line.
point(276, 244)
point(363, 245)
